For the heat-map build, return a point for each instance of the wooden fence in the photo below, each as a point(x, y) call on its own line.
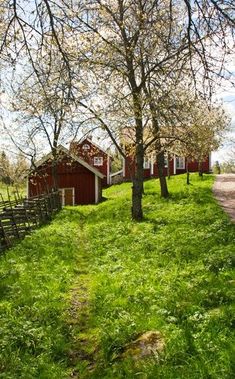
point(19, 216)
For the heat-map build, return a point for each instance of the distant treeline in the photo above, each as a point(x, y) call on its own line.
point(13, 171)
point(225, 167)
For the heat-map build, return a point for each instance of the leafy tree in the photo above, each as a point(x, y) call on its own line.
point(20, 169)
point(14, 171)
point(133, 48)
point(217, 168)
point(5, 169)
point(201, 130)
point(227, 167)
point(132, 54)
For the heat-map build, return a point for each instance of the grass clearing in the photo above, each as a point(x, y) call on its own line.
point(75, 292)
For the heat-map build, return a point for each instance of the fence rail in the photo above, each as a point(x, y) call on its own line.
point(19, 216)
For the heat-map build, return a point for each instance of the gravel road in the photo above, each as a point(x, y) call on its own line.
point(224, 191)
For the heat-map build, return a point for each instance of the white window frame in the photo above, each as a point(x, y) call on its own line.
point(63, 193)
point(146, 164)
point(98, 161)
point(180, 163)
point(86, 147)
point(165, 161)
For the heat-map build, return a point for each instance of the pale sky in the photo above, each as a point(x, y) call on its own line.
point(227, 95)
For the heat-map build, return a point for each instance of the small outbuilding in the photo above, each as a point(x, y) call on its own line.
point(78, 182)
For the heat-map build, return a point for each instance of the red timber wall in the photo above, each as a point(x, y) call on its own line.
point(171, 168)
point(193, 166)
point(70, 174)
point(130, 169)
point(89, 155)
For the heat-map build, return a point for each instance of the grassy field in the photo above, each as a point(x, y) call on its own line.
point(4, 190)
point(77, 291)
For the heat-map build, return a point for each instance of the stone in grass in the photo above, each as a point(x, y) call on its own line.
point(148, 344)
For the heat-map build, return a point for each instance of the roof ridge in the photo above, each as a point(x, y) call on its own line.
point(73, 156)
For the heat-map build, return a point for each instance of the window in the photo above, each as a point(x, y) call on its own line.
point(180, 163)
point(86, 147)
point(98, 161)
point(146, 163)
point(165, 161)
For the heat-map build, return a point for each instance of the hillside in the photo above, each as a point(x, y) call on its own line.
point(76, 292)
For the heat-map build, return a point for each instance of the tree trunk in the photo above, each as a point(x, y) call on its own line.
point(54, 168)
point(54, 175)
point(159, 154)
point(200, 172)
point(162, 178)
point(138, 184)
point(138, 180)
point(188, 174)
point(137, 190)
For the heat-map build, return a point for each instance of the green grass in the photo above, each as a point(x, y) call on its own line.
point(75, 292)
point(4, 190)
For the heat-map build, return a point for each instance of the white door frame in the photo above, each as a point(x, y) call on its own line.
point(108, 170)
point(63, 193)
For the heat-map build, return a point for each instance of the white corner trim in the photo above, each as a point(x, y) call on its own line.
point(96, 189)
point(152, 165)
point(174, 165)
point(108, 170)
point(73, 195)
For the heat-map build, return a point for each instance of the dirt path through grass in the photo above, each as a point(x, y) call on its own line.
point(83, 347)
point(224, 190)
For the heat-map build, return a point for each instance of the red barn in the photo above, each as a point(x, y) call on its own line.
point(95, 156)
point(78, 182)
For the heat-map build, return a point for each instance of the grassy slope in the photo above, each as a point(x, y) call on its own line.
point(76, 291)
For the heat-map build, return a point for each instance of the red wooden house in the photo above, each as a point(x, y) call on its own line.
point(78, 182)
point(177, 165)
point(173, 166)
point(95, 156)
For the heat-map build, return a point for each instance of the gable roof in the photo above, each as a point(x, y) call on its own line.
point(93, 143)
point(71, 155)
